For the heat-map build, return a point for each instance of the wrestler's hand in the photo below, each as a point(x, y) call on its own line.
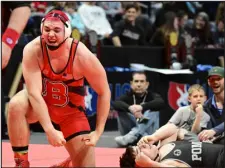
point(149, 139)
point(55, 138)
point(6, 53)
point(91, 139)
point(142, 160)
point(206, 134)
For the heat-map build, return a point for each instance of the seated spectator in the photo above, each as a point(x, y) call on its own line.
point(144, 21)
point(38, 6)
point(192, 117)
point(32, 29)
point(174, 154)
point(162, 34)
point(144, 8)
point(94, 19)
point(127, 32)
point(138, 111)
point(75, 19)
point(189, 120)
point(220, 31)
point(214, 105)
point(219, 34)
point(167, 6)
point(182, 20)
point(155, 7)
point(57, 6)
point(113, 10)
point(200, 31)
point(220, 12)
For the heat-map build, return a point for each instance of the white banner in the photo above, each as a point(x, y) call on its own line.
point(142, 67)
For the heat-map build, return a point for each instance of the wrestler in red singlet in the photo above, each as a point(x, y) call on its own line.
point(54, 69)
point(64, 95)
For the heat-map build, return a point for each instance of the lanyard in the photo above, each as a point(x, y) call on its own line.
point(143, 101)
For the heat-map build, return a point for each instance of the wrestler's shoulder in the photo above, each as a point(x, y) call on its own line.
point(79, 43)
point(34, 45)
point(82, 51)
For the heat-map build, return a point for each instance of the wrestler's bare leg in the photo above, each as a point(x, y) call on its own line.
point(80, 154)
point(19, 116)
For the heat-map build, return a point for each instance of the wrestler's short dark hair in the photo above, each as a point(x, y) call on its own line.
point(128, 158)
point(139, 72)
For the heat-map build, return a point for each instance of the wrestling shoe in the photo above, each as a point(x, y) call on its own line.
point(65, 163)
point(21, 163)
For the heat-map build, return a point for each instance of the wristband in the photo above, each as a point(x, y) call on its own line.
point(10, 37)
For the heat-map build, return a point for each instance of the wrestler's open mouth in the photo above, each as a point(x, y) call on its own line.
point(52, 41)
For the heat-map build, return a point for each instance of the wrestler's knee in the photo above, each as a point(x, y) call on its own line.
point(18, 106)
point(15, 108)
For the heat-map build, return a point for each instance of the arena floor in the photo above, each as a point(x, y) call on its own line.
point(107, 152)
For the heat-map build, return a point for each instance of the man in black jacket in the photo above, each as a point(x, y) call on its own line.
point(138, 111)
point(214, 105)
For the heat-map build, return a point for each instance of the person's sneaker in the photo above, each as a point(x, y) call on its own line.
point(21, 163)
point(125, 140)
point(65, 163)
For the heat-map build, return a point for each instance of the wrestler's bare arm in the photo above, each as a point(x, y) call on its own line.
point(166, 133)
point(93, 71)
point(33, 80)
point(18, 18)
